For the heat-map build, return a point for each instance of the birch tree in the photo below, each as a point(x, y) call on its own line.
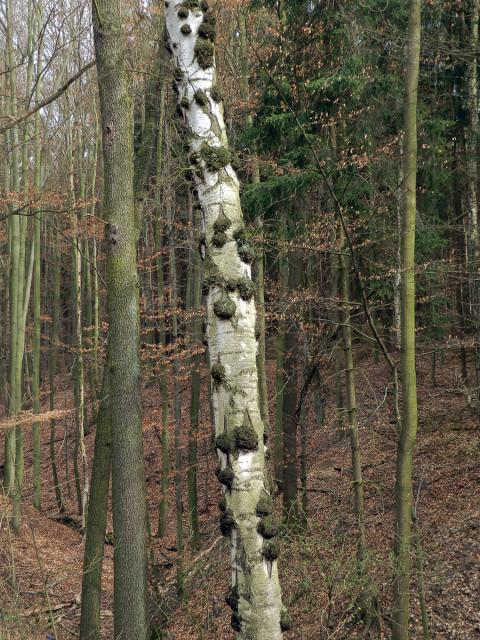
point(255, 596)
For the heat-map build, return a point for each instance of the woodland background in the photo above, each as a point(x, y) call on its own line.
point(313, 99)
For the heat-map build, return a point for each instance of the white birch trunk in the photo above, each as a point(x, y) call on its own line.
point(255, 595)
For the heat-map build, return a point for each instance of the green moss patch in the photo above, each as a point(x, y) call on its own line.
point(264, 505)
point(246, 288)
point(226, 477)
point(224, 442)
point(191, 5)
point(215, 157)
point(216, 93)
point(239, 234)
point(246, 252)
point(246, 437)
point(235, 622)
point(201, 98)
point(218, 372)
point(209, 18)
point(270, 550)
point(211, 275)
point(227, 522)
point(224, 308)
point(232, 598)
point(268, 527)
point(204, 50)
point(194, 158)
point(285, 620)
point(207, 31)
point(219, 239)
point(222, 223)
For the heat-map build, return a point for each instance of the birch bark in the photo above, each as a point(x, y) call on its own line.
point(255, 596)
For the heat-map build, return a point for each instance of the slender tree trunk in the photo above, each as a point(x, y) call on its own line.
point(96, 291)
point(14, 406)
point(280, 377)
point(352, 413)
point(24, 297)
point(289, 419)
point(420, 562)
point(471, 149)
point(336, 279)
point(13, 437)
point(36, 436)
point(52, 363)
point(303, 515)
point(78, 368)
point(334, 292)
point(128, 479)
point(408, 431)
point(177, 410)
point(85, 281)
point(397, 282)
point(97, 521)
point(162, 376)
point(255, 593)
point(24, 290)
point(462, 249)
point(163, 388)
point(196, 332)
point(37, 450)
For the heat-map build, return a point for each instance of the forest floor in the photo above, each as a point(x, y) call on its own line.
point(40, 570)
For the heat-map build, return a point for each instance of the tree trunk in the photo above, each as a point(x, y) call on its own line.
point(97, 521)
point(280, 377)
point(36, 435)
point(419, 560)
point(289, 419)
point(78, 368)
point(471, 150)
point(176, 407)
point(408, 431)
point(196, 333)
point(162, 376)
point(128, 479)
point(255, 593)
point(352, 413)
point(52, 363)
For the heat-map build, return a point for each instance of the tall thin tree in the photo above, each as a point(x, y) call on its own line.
point(408, 427)
point(128, 478)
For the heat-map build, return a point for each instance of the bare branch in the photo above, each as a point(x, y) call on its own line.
point(48, 100)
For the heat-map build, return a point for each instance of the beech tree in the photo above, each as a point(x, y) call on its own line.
point(408, 427)
point(123, 358)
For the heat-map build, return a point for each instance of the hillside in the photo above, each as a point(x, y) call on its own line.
point(316, 567)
